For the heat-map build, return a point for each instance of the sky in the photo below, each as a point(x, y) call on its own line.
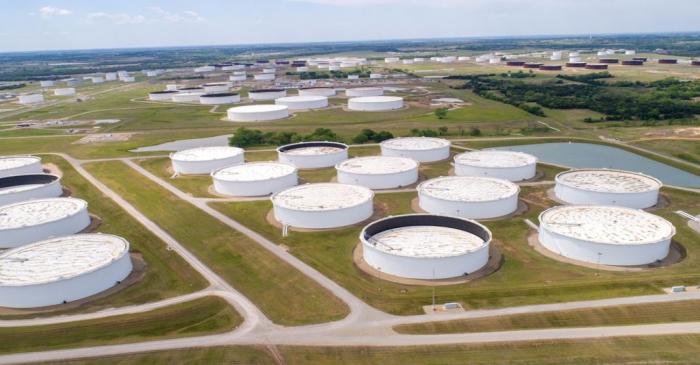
point(29, 25)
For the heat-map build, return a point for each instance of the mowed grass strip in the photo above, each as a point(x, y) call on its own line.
point(167, 274)
point(284, 294)
point(675, 349)
point(195, 185)
point(198, 317)
point(683, 311)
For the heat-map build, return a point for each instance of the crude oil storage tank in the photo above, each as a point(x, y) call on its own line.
point(364, 91)
point(317, 91)
point(607, 187)
point(17, 188)
point(508, 165)
point(264, 77)
point(254, 178)
point(257, 113)
point(63, 269)
point(237, 77)
point(162, 95)
point(204, 160)
point(421, 149)
point(323, 205)
point(219, 98)
point(468, 196)
point(266, 94)
point(35, 220)
point(19, 165)
point(303, 102)
point(378, 172)
point(313, 155)
point(375, 103)
point(186, 96)
point(46, 83)
point(216, 87)
point(424, 246)
point(64, 91)
point(606, 235)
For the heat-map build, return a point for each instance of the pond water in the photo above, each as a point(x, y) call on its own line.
point(184, 144)
point(600, 156)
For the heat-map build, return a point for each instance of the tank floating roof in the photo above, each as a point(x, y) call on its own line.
point(266, 90)
point(426, 236)
point(254, 171)
point(36, 212)
point(468, 189)
point(613, 181)
point(206, 153)
point(312, 148)
point(322, 197)
point(607, 224)
point(377, 165)
point(12, 162)
point(416, 143)
point(218, 95)
point(59, 258)
point(495, 159)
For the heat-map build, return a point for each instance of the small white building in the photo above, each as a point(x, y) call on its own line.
point(313, 155)
point(205, 160)
point(605, 235)
point(46, 83)
point(254, 178)
point(29, 99)
point(421, 149)
point(323, 205)
point(468, 197)
point(63, 269)
point(424, 246)
point(508, 165)
point(64, 91)
point(264, 77)
point(378, 172)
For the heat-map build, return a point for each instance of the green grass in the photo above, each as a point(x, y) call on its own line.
point(684, 311)
point(676, 349)
point(198, 317)
point(526, 277)
point(282, 293)
point(195, 185)
point(166, 273)
point(688, 150)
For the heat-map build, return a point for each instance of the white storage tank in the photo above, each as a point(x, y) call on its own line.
point(204, 160)
point(353, 77)
point(606, 235)
point(257, 113)
point(266, 94)
point(268, 70)
point(111, 76)
point(62, 269)
point(317, 91)
point(216, 87)
point(264, 77)
point(303, 102)
point(364, 91)
point(128, 79)
point(323, 205)
point(378, 172)
point(20, 165)
point(468, 196)
point(421, 149)
point(607, 187)
point(237, 77)
point(254, 178)
point(46, 83)
point(375, 103)
point(508, 165)
point(313, 155)
point(18, 188)
point(163, 95)
point(186, 96)
point(97, 79)
point(35, 220)
point(64, 91)
point(202, 69)
point(28, 99)
point(219, 98)
point(424, 246)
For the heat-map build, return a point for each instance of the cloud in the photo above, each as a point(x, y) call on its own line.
point(52, 11)
point(155, 15)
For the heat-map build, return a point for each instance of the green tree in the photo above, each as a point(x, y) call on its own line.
point(441, 113)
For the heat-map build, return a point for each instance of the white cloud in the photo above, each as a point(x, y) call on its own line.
point(155, 15)
point(51, 11)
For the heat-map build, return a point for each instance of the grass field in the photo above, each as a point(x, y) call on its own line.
point(198, 317)
point(526, 277)
point(688, 150)
point(622, 350)
point(282, 293)
point(684, 311)
point(167, 274)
